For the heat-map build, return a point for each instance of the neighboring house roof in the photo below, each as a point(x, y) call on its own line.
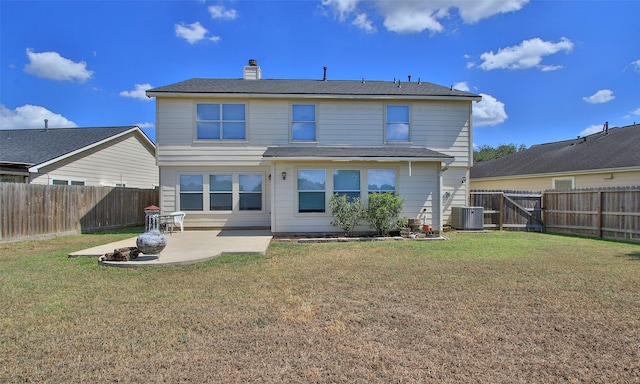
point(315, 153)
point(342, 88)
point(38, 147)
point(614, 148)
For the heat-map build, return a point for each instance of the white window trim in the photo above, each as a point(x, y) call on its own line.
point(236, 177)
point(67, 179)
point(329, 187)
point(569, 178)
point(205, 185)
point(385, 122)
point(327, 184)
point(291, 121)
point(194, 114)
point(235, 192)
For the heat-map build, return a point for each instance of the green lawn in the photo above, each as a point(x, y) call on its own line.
point(493, 307)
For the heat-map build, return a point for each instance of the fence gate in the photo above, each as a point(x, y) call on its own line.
point(520, 210)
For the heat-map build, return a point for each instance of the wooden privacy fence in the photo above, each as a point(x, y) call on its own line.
point(510, 209)
point(611, 213)
point(608, 213)
point(29, 211)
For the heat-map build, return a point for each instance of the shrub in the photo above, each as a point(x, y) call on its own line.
point(383, 211)
point(347, 213)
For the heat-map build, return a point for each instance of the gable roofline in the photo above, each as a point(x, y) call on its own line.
point(134, 129)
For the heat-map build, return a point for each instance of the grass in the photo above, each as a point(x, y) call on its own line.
point(494, 307)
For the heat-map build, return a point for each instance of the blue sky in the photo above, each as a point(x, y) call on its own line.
point(547, 70)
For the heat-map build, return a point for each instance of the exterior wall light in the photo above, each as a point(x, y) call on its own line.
point(284, 175)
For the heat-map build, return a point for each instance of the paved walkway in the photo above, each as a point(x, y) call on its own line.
point(189, 247)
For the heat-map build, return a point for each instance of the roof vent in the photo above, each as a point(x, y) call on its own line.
point(252, 71)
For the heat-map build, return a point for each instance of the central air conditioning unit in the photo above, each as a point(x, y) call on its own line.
point(467, 218)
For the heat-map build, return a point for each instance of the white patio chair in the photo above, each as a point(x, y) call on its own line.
point(178, 219)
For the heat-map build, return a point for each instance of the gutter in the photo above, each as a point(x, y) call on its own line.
point(195, 95)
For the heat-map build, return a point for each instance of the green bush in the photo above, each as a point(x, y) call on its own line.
point(347, 213)
point(383, 211)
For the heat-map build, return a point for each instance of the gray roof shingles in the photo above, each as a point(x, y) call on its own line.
point(36, 146)
point(618, 148)
point(312, 87)
point(353, 152)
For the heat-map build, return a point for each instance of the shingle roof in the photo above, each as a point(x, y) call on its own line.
point(36, 146)
point(616, 149)
point(312, 87)
point(354, 152)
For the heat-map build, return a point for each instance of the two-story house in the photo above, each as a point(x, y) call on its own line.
point(266, 153)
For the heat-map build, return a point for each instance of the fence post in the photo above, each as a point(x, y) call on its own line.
point(599, 215)
point(502, 209)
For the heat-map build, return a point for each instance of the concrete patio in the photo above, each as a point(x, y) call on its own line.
point(189, 247)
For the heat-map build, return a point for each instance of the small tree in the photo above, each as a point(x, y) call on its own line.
point(383, 211)
point(346, 212)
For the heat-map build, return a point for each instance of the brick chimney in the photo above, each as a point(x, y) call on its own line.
point(252, 71)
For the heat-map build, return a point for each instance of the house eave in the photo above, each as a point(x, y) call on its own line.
point(208, 95)
point(358, 158)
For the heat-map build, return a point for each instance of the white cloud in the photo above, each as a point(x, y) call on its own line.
point(138, 92)
point(361, 21)
point(591, 129)
point(50, 65)
point(31, 116)
point(415, 16)
point(602, 96)
point(549, 68)
point(489, 111)
point(461, 86)
point(636, 112)
point(636, 65)
point(527, 54)
point(220, 12)
point(194, 32)
point(341, 8)
point(145, 125)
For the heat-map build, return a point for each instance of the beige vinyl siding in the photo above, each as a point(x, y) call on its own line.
point(126, 159)
point(443, 127)
point(440, 126)
point(175, 122)
point(351, 123)
point(613, 178)
point(458, 192)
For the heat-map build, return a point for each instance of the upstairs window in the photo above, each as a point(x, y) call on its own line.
point(311, 191)
point(397, 128)
point(346, 182)
point(220, 122)
point(303, 122)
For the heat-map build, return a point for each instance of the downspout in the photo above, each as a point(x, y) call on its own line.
point(272, 179)
point(441, 170)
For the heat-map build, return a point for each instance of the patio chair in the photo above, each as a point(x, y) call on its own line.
point(178, 219)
